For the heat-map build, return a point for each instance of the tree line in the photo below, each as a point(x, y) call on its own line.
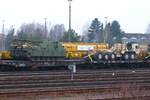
point(97, 32)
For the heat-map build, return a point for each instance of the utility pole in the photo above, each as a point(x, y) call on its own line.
point(69, 31)
point(3, 22)
point(45, 29)
point(3, 34)
point(105, 33)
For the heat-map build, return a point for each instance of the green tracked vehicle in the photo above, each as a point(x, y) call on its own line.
point(36, 50)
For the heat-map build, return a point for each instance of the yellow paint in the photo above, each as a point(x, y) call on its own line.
point(73, 51)
point(5, 55)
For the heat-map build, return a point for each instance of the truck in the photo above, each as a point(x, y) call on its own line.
point(124, 52)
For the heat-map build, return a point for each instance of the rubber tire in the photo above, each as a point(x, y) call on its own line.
point(126, 56)
point(132, 56)
point(100, 56)
point(106, 57)
point(112, 56)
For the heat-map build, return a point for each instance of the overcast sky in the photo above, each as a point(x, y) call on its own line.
point(133, 15)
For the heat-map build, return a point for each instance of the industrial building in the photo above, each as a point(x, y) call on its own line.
point(136, 37)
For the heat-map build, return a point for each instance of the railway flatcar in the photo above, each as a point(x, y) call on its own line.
point(47, 53)
point(27, 53)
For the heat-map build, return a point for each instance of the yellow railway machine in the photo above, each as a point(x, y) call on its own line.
point(5, 55)
point(78, 49)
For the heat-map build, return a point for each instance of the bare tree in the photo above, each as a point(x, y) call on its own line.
point(31, 28)
point(84, 37)
point(148, 29)
point(33, 31)
point(56, 32)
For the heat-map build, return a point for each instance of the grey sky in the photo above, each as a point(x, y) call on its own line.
point(133, 15)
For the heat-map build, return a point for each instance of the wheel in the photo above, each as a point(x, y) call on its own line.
point(126, 56)
point(95, 57)
point(132, 56)
point(112, 56)
point(100, 56)
point(106, 56)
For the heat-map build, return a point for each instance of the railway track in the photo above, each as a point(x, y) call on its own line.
point(59, 82)
point(129, 98)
